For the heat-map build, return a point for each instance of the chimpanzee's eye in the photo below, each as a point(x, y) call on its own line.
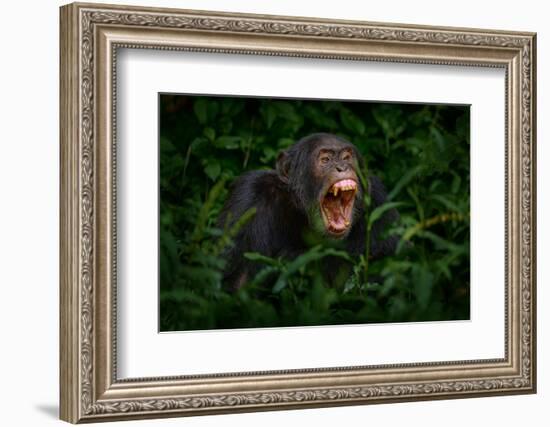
point(324, 159)
point(346, 156)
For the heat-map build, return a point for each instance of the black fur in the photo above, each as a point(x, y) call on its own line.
point(281, 198)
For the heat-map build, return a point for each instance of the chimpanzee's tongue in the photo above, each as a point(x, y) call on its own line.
point(337, 220)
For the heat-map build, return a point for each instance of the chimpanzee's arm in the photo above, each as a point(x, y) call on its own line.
point(270, 232)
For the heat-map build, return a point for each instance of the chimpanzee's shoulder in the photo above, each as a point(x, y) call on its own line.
point(263, 190)
point(377, 190)
point(261, 184)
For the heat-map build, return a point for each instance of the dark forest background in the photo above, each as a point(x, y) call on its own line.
point(421, 153)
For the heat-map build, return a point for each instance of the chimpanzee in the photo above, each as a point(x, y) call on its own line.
point(314, 193)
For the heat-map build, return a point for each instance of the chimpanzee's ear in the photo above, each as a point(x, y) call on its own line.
point(283, 166)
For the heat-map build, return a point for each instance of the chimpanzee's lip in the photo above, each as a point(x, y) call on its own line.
point(337, 206)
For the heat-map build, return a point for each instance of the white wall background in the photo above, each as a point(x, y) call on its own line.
point(29, 171)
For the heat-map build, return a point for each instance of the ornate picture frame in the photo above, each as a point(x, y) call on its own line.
point(90, 37)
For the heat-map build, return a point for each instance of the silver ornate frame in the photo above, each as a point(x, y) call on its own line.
point(90, 36)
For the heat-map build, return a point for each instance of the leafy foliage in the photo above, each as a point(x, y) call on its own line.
point(421, 153)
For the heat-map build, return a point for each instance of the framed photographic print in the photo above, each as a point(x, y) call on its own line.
point(265, 212)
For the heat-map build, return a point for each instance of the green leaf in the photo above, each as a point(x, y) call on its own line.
point(423, 283)
point(212, 111)
point(439, 139)
point(200, 107)
point(352, 122)
point(166, 145)
point(204, 274)
point(262, 276)
point(286, 110)
point(209, 133)
point(196, 143)
point(213, 170)
point(206, 208)
point(256, 257)
point(314, 254)
point(285, 142)
point(269, 155)
point(405, 179)
point(270, 115)
point(228, 142)
point(441, 243)
point(455, 186)
point(447, 203)
point(381, 210)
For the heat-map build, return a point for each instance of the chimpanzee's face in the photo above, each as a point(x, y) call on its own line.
point(334, 167)
point(320, 171)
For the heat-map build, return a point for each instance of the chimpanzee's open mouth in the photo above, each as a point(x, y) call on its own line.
point(337, 206)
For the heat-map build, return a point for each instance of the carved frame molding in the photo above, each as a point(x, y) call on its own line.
point(90, 37)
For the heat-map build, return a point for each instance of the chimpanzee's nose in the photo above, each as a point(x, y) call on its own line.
point(341, 168)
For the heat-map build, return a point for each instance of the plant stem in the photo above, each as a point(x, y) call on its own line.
point(367, 252)
point(363, 176)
